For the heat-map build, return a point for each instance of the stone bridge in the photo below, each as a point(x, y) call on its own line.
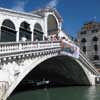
point(18, 60)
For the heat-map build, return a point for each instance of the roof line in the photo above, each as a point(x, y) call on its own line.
point(19, 12)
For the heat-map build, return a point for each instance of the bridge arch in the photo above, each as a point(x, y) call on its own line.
point(25, 31)
point(63, 67)
point(52, 24)
point(38, 32)
point(8, 31)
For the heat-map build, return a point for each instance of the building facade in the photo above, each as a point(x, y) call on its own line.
point(89, 37)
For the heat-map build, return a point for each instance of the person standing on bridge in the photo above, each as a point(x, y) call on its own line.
point(24, 39)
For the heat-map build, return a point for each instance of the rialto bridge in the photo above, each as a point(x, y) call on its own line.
point(28, 53)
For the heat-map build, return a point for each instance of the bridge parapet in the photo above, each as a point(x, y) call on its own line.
point(88, 63)
point(13, 47)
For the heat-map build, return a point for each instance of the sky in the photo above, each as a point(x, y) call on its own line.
point(73, 12)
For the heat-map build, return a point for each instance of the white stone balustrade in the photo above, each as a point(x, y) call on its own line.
point(13, 47)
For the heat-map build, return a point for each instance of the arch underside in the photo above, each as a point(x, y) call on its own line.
point(59, 71)
point(52, 25)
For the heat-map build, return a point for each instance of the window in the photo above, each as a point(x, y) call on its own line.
point(83, 40)
point(84, 49)
point(95, 38)
point(96, 57)
point(84, 32)
point(95, 47)
point(94, 31)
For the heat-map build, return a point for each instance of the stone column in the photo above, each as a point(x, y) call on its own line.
point(0, 30)
point(17, 25)
point(17, 35)
point(45, 25)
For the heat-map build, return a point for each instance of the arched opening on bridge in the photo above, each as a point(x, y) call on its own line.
point(24, 32)
point(38, 32)
point(52, 25)
point(54, 72)
point(8, 32)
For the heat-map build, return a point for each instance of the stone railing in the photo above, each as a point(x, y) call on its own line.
point(18, 47)
point(88, 63)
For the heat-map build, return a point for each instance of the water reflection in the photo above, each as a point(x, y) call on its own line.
point(65, 93)
point(91, 93)
point(47, 94)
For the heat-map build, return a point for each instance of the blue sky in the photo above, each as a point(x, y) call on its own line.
point(74, 12)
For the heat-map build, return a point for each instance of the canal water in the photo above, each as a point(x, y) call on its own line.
point(64, 93)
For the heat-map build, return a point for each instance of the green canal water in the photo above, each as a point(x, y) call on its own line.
point(65, 93)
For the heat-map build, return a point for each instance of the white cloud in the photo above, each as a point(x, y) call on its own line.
point(19, 6)
point(52, 3)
